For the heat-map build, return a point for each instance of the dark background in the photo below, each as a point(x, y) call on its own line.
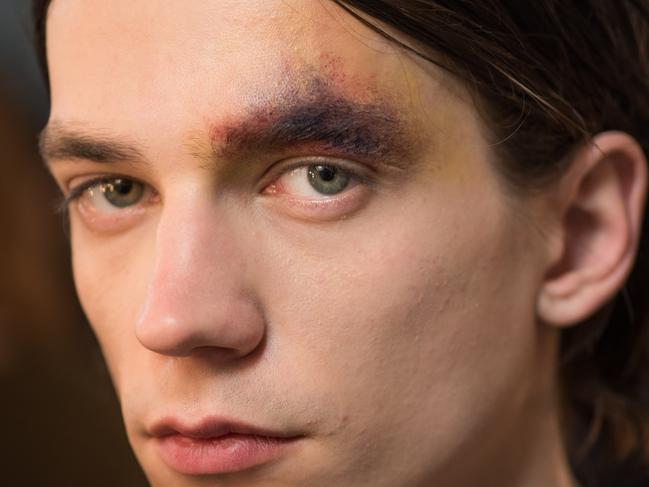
point(60, 419)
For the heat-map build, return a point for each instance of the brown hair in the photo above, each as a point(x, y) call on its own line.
point(550, 74)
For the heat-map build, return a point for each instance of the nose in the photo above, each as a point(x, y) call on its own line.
point(197, 298)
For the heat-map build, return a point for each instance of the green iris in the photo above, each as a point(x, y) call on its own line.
point(328, 180)
point(122, 192)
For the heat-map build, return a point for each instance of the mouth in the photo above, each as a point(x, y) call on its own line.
point(218, 446)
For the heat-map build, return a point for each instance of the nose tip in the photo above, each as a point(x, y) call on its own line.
point(233, 327)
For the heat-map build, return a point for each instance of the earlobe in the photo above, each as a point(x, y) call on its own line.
point(601, 214)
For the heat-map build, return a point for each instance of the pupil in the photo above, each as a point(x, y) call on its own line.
point(122, 187)
point(122, 192)
point(326, 173)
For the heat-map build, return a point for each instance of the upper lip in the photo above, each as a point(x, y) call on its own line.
point(212, 427)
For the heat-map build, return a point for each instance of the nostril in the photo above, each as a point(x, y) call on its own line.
point(223, 355)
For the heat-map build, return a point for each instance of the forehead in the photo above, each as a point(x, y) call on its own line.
point(176, 55)
point(135, 63)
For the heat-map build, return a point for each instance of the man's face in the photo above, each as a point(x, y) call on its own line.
point(298, 228)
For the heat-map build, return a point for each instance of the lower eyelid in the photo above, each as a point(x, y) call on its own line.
point(109, 223)
point(322, 209)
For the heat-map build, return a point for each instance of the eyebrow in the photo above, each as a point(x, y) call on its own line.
point(319, 120)
point(371, 130)
point(58, 141)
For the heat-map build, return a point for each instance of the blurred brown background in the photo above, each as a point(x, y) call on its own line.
point(60, 417)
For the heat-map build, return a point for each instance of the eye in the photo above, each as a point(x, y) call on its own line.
point(108, 195)
point(119, 193)
point(315, 181)
point(320, 189)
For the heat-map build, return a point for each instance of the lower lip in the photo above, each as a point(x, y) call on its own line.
point(225, 454)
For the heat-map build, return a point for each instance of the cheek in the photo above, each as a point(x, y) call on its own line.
point(111, 277)
point(405, 321)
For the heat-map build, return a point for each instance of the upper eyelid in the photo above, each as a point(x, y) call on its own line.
point(282, 167)
point(365, 175)
point(79, 189)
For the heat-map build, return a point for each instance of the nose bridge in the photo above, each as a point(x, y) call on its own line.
point(193, 245)
point(196, 296)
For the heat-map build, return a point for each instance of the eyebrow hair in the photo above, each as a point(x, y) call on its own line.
point(321, 119)
point(58, 141)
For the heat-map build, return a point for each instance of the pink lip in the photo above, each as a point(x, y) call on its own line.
point(217, 445)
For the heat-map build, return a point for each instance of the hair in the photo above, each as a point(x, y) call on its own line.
point(549, 75)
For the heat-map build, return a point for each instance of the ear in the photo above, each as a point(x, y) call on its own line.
point(601, 204)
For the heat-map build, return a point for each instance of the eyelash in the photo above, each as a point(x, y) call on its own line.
point(361, 177)
point(76, 192)
point(358, 175)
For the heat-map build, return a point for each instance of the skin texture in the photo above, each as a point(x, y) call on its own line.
point(399, 326)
